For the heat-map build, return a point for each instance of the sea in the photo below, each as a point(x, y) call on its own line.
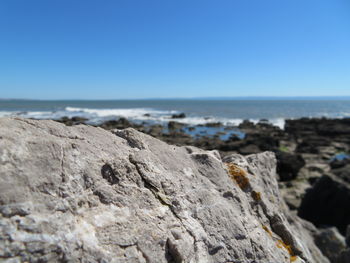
point(198, 111)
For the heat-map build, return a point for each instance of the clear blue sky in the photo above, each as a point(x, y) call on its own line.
point(110, 49)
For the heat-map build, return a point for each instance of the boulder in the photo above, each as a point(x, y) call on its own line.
point(174, 125)
point(320, 126)
point(265, 142)
point(246, 124)
point(288, 165)
point(330, 242)
point(343, 172)
point(327, 203)
point(344, 256)
point(336, 163)
point(178, 116)
point(121, 123)
point(85, 194)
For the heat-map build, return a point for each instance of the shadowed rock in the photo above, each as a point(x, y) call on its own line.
point(327, 203)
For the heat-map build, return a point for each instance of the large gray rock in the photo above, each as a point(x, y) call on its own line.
point(84, 194)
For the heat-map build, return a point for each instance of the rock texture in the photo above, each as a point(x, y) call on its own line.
point(327, 203)
point(330, 242)
point(84, 194)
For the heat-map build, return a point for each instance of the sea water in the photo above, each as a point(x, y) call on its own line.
point(198, 111)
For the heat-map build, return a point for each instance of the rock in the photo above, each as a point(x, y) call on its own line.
point(264, 141)
point(307, 147)
point(327, 203)
point(343, 172)
point(155, 130)
point(173, 125)
point(80, 193)
point(178, 116)
point(335, 164)
point(214, 124)
point(293, 192)
point(288, 165)
point(320, 126)
point(344, 256)
point(246, 124)
point(72, 121)
point(249, 149)
point(347, 237)
point(264, 121)
point(330, 242)
point(121, 123)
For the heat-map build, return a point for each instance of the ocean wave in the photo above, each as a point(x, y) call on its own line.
point(126, 113)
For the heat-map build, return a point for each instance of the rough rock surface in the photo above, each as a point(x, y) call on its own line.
point(330, 242)
point(327, 203)
point(70, 194)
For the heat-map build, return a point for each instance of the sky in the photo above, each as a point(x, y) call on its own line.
point(115, 49)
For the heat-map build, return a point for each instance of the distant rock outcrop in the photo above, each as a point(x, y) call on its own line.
point(84, 194)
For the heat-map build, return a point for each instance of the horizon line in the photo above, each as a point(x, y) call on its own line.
point(339, 97)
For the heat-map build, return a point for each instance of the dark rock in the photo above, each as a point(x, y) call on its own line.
point(234, 138)
point(288, 165)
point(173, 125)
point(344, 256)
point(122, 123)
point(307, 147)
point(178, 116)
point(330, 242)
point(246, 124)
point(327, 202)
point(229, 146)
point(213, 124)
point(72, 121)
point(264, 122)
point(263, 141)
point(155, 130)
point(339, 163)
point(347, 236)
point(319, 126)
point(343, 172)
point(208, 143)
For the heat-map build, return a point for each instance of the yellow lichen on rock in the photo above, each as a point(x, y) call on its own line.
point(238, 175)
point(267, 230)
point(256, 196)
point(281, 244)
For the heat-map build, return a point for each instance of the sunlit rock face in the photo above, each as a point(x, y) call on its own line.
point(70, 194)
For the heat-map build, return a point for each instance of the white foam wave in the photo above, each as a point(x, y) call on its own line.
point(127, 113)
point(7, 113)
point(279, 122)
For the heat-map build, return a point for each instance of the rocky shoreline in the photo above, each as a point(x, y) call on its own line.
point(312, 183)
